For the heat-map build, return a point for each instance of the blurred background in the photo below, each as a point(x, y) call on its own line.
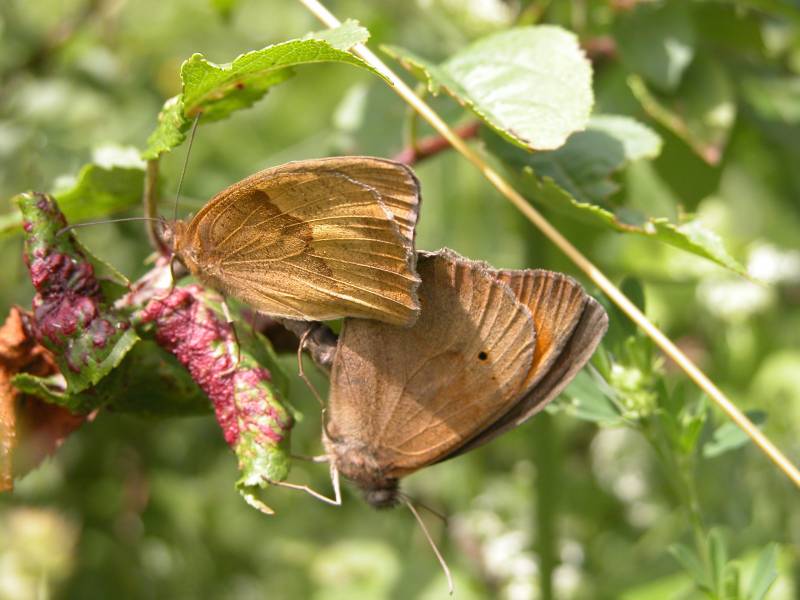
point(138, 508)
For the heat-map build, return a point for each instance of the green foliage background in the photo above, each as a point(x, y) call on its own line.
point(563, 507)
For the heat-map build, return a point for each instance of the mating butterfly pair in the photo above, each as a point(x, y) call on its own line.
point(415, 380)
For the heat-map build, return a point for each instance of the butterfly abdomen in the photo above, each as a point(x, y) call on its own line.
point(357, 462)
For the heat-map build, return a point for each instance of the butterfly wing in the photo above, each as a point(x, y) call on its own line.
point(569, 326)
point(412, 396)
point(313, 240)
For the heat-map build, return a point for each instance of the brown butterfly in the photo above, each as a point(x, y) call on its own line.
point(313, 240)
point(490, 349)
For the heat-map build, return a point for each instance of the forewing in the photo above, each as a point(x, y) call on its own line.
point(413, 396)
point(314, 240)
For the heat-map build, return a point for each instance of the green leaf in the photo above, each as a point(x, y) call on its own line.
point(701, 111)
point(584, 164)
point(766, 572)
point(731, 577)
point(692, 563)
point(729, 437)
point(155, 384)
point(216, 91)
point(591, 399)
point(773, 97)
point(691, 236)
point(531, 85)
point(98, 192)
point(657, 41)
point(718, 558)
point(72, 318)
point(50, 389)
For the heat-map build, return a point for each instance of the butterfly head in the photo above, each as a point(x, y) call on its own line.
point(357, 462)
point(172, 233)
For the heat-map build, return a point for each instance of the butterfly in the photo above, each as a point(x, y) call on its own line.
point(490, 349)
point(311, 240)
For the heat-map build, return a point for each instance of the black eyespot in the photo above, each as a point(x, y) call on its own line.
point(482, 355)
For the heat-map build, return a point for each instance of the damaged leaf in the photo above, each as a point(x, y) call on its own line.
point(248, 405)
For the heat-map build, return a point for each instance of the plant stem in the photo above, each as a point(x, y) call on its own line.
point(546, 456)
point(150, 201)
point(433, 145)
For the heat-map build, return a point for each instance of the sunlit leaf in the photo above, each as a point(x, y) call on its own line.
point(531, 85)
point(217, 90)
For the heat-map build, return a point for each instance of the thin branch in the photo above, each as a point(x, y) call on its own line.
point(150, 201)
point(555, 236)
point(430, 146)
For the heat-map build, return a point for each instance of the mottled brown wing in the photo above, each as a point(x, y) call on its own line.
point(412, 396)
point(314, 240)
point(569, 326)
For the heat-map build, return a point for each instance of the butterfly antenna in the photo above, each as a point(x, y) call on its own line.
point(301, 372)
point(64, 230)
point(185, 165)
point(428, 537)
point(433, 511)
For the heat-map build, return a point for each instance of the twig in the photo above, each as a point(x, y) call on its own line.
point(150, 201)
point(555, 236)
point(430, 146)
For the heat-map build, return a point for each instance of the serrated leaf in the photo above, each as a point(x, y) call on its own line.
point(729, 436)
point(691, 236)
point(765, 574)
point(97, 192)
point(531, 85)
point(701, 111)
point(657, 41)
point(584, 164)
point(217, 90)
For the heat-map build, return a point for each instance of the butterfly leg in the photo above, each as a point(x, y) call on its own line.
point(320, 458)
point(226, 311)
point(172, 279)
point(301, 372)
point(337, 492)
